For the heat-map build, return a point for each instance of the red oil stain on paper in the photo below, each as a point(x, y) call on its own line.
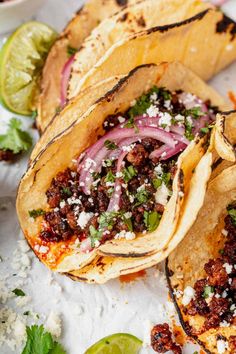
point(128, 278)
point(232, 97)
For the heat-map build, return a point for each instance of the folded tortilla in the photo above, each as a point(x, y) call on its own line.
point(137, 17)
point(104, 268)
point(88, 17)
point(193, 172)
point(204, 242)
point(208, 37)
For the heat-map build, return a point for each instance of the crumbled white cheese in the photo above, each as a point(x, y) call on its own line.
point(165, 119)
point(162, 194)
point(128, 235)
point(153, 97)
point(224, 324)
point(128, 215)
point(228, 267)
point(119, 174)
point(189, 120)
point(88, 164)
point(121, 119)
point(128, 148)
point(178, 293)
point(53, 324)
point(189, 294)
point(158, 169)
point(41, 249)
point(152, 111)
point(181, 194)
point(179, 118)
point(62, 204)
point(167, 104)
point(222, 346)
point(84, 219)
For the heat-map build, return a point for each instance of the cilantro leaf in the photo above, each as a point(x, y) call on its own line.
point(151, 220)
point(71, 51)
point(95, 235)
point(194, 112)
point(15, 139)
point(232, 212)
point(36, 213)
point(40, 342)
point(18, 292)
point(110, 145)
point(129, 173)
point(141, 105)
point(57, 349)
point(208, 290)
point(142, 196)
point(34, 114)
point(205, 130)
point(110, 177)
point(189, 130)
point(66, 191)
point(157, 182)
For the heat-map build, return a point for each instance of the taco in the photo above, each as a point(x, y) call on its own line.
point(208, 37)
point(201, 270)
point(88, 17)
point(119, 180)
point(104, 268)
point(142, 15)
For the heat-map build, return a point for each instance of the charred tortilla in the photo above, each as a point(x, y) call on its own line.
point(93, 12)
point(47, 172)
point(182, 41)
point(202, 279)
point(142, 15)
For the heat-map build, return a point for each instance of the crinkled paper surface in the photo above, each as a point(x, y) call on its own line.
point(88, 312)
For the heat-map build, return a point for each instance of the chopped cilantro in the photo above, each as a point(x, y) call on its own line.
point(157, 182)
point(110, 145)
point(95, 235)
point(142, 196)
point(66, 191)
point(188, 130)
point(195, 352)
point(34, 114)
point(151, 220)
point(142, 104)
point(109, 162)
point(221, 252)
point(232, 212)
point(18, 292)
point(71, 51)
point(26, 313)
point(129, 173)
point(128, 222)
point(96, 175)
point(15, 139)
point(110, 177)
point(165, 94)
point(194, 112)
point(106, 220)
point(36, 213)
point(164, 178)
point(205, 130)
point(208, 290)
point(41, 342)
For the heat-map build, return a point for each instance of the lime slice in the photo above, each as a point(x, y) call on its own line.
point(120, 343)
point(21, 61)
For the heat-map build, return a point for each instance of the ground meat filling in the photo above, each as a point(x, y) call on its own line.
point(120, 186)
point(161, 340)
point(215, 295)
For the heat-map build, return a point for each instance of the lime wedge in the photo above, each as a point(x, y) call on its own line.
point(120, 343)
point(21, 61)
